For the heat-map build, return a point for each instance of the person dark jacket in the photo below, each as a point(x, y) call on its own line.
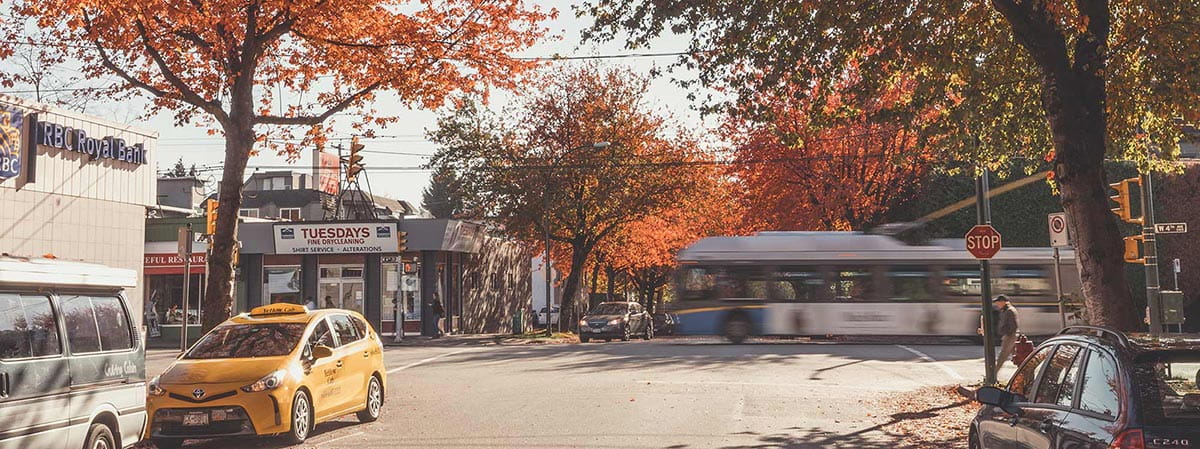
point(1008, 324)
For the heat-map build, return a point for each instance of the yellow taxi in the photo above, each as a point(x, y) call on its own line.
point(278, 370)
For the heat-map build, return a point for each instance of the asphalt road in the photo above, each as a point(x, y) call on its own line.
point(684, 393)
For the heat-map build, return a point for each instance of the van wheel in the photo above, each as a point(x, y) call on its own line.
point(737, 329)
point(100, 437)
point(167, 443)
point(302, 418)
point(374, 401)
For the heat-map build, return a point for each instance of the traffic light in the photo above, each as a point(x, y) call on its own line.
point(402, 238)
point(354, 163)
point(1133, 249)
point(210, 217)
point(1124, 207)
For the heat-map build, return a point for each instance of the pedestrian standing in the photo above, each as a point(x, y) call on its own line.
point(310, 304)
point(1008, 327)
point(438, 312)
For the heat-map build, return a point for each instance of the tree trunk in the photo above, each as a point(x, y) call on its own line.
point(579, 256)
point(610, 280)
point(1078, 124)
point(218, 297)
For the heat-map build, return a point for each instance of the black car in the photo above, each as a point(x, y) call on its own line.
point(612, 320)
point(664, 323)
point(1090, 387)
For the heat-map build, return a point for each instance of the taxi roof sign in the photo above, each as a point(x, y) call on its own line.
point(278, 309)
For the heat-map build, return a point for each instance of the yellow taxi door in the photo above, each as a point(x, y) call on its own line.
point(352, 381)
point(323, 373)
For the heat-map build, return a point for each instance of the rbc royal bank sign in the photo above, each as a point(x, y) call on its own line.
point(77, 140)
point(336, 238)
point(11, 121)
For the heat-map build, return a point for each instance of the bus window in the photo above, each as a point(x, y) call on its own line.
point(962, 281)
point(1023, 280)
point(697, 282)
point(909, 284)
point(797, 284)
point(852, 284)
point(742, 283)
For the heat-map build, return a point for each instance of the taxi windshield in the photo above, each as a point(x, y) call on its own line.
point(248, 340)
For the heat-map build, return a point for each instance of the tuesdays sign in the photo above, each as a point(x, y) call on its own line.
point(335, 238)
point(11, 121)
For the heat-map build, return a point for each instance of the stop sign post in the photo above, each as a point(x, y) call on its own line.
point(983, 241)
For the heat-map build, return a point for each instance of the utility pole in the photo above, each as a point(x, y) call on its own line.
point(983, 215)
point(1150, 256)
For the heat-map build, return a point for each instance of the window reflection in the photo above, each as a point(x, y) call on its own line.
point(248, 340)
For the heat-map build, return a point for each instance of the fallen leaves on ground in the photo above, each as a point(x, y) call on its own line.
point(929, 418)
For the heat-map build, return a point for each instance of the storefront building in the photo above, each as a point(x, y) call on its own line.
point(74, 187)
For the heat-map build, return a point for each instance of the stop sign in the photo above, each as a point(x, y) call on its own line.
point(983, 241)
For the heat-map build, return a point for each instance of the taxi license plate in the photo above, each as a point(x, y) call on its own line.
point(195, 419)
point(595, 331)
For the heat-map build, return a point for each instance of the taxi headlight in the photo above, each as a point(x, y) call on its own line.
point(268, 382)
point(153, 389)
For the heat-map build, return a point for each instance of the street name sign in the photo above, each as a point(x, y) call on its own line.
point(1170, 228)
point(983, 241)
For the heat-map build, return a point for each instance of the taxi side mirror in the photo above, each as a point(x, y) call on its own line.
point(321, 351)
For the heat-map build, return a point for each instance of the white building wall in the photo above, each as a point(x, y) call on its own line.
point(76, 208)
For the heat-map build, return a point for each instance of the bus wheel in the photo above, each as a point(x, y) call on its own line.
point(737, 329)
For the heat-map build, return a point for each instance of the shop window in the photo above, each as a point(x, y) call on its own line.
point(290, 213)
point(165, 302)
point(354, 273)
point(27, 327)
point(251, 213)
point(283, 284)
point(909, 284)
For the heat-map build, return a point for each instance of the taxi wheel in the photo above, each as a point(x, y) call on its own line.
point(302, 418)
point(374, 401)
point(100, 437)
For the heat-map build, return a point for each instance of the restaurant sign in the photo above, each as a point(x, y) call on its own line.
point(336, 238)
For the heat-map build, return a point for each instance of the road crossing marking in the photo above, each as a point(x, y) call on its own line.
point(424, 361)
point(927, 358)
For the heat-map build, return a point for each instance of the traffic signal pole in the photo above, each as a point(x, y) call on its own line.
point(1150, 256)
point(983, 214)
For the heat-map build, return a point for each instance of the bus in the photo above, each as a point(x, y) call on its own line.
point(851, 283)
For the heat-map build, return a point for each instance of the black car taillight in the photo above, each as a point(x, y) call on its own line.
point(1129, 439)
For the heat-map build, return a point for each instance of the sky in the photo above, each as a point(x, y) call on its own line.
point(193, 144)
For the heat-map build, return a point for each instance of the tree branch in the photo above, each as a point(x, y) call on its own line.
point(186, 92)
point(309, 120)
point(1035, 31)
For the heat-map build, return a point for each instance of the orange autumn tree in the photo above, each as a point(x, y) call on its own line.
point(259, 72)
point(797, 174)
point(581, 155)
point(644, 250)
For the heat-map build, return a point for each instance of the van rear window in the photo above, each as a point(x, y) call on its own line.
point(1169, 387)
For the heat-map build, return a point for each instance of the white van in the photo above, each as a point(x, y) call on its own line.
point(72, 365)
